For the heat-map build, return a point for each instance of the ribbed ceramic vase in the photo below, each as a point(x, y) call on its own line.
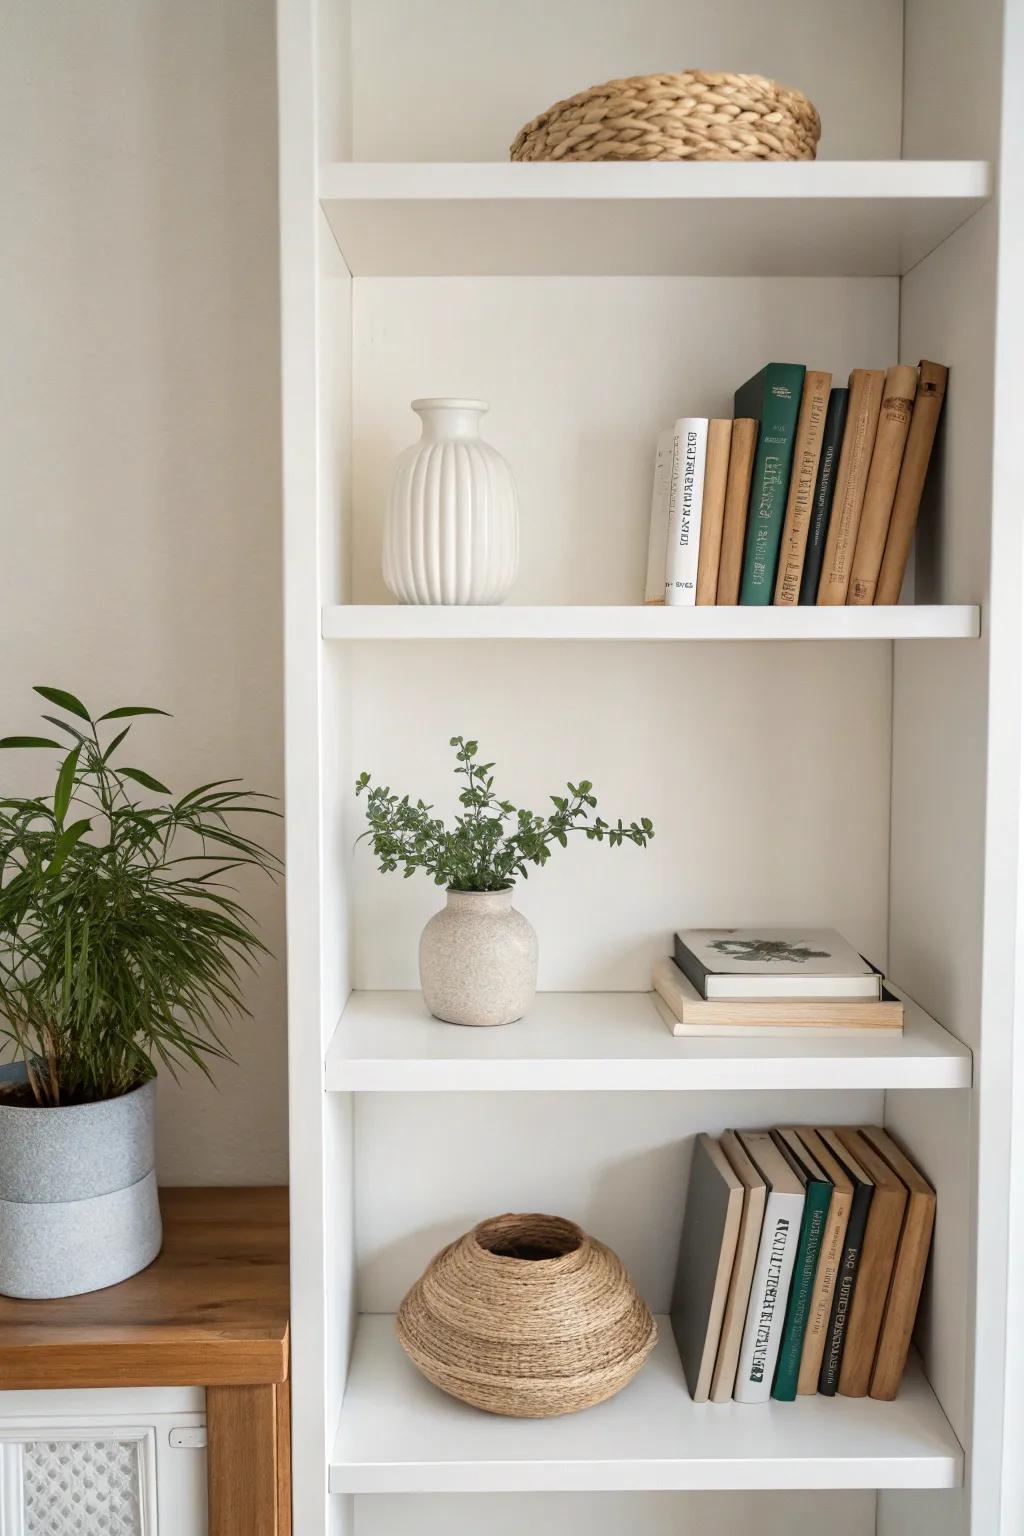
point(452, 532)
point(478, 960)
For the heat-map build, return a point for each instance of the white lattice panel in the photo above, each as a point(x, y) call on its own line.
point(83, 1488)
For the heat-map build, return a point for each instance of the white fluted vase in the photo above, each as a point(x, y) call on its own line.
point(452, 532)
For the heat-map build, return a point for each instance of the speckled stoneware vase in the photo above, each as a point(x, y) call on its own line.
point(478, 960)
point(78, 1200)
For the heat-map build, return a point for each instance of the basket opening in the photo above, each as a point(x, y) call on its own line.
point(529, 1239)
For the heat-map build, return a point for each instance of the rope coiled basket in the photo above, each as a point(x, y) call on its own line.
point(526, 1315)
point(689, 116)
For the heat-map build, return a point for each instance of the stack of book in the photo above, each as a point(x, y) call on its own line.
point(772, 981)
point(801, 1263)
point(810, 495)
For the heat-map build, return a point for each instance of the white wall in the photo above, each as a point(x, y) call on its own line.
point(139, 435)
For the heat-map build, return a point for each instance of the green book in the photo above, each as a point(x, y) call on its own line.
point(771, 397)
point(818, 1197)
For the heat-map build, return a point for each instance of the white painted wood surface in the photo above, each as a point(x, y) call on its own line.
point(808, 219)
point(615, 1041)
point(399, 1434)
point(382, 621)
point(768, 769)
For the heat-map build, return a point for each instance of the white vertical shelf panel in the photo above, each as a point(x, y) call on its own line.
point(856, 218)
point(399, 1434)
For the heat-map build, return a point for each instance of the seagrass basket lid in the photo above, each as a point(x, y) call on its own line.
point(526, 1315)
point(689, 116)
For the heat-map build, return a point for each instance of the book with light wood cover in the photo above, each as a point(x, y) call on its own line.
point(878, 1256)
point(716, 475)
point(742, 448)
point(845, 1287)
point(810, 432)
point(828, 1262)
point(908, 1272)
point(755, 1192)
point(931, 391)
point(866, 385)
point(687, 1013)
point(707, 1248)
point(890, 441)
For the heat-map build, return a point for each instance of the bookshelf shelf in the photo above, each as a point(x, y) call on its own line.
point(387, 1042)
point(354, 621)
point(858, 218)
point(399, 1434)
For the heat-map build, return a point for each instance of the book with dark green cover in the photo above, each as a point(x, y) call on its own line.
point(771, 397)
point(824, 491)
point(818, 1197)
point(846, 1279)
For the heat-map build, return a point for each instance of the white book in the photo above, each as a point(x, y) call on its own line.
point(686, 497)
point(763, 963)
point(773, 1271)
point(654, 591)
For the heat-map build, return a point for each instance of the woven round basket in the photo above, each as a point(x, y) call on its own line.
point(526, 1315)
point(691, 116)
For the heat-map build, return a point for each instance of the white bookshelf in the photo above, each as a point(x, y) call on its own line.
point(859, 219)
point(395, 1436)
point(874, 786)
point(616, 1042)
point(910, 621)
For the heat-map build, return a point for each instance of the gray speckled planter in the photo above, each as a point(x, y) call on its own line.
point(478, 960)
point(78, 1201)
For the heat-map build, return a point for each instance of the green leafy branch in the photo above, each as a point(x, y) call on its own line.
point(492, 841)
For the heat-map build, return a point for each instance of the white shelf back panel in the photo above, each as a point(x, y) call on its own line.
point(764, 768)
point(618, 1163)
point(456, 79)
point(581, 375)
point(841, 1513)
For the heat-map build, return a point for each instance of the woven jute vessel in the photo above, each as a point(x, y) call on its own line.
point(528, 1316)
point(690, 116)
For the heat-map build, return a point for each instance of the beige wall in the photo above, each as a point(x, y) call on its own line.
point(139, 435)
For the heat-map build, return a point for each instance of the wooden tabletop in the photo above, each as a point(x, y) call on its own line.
point(212, 1310)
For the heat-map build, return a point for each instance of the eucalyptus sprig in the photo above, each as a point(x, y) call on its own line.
point(493, 841)
point(117, 950)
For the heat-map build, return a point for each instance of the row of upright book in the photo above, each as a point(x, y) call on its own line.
point(801, 1264)
point(809, 495)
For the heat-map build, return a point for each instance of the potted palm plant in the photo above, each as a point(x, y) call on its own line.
point(478, 955)
point(120, 948)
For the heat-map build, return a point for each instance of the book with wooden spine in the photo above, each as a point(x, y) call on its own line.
point(707, 1248)
point(755, 1193)
point(817, 1198)
point(924, 422)
point(824, 492)
point(908, 1271)
point(866, 385)
point(845, 1288)
point(654, 588)
point(772, 397)
point(716, 475)
point(686, 1013)
point(742, 448)
point(886, 460)
point(773, 1270)
point(829, 1260)
point(878, 1256)
point(686, 495)
point(810, 432)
